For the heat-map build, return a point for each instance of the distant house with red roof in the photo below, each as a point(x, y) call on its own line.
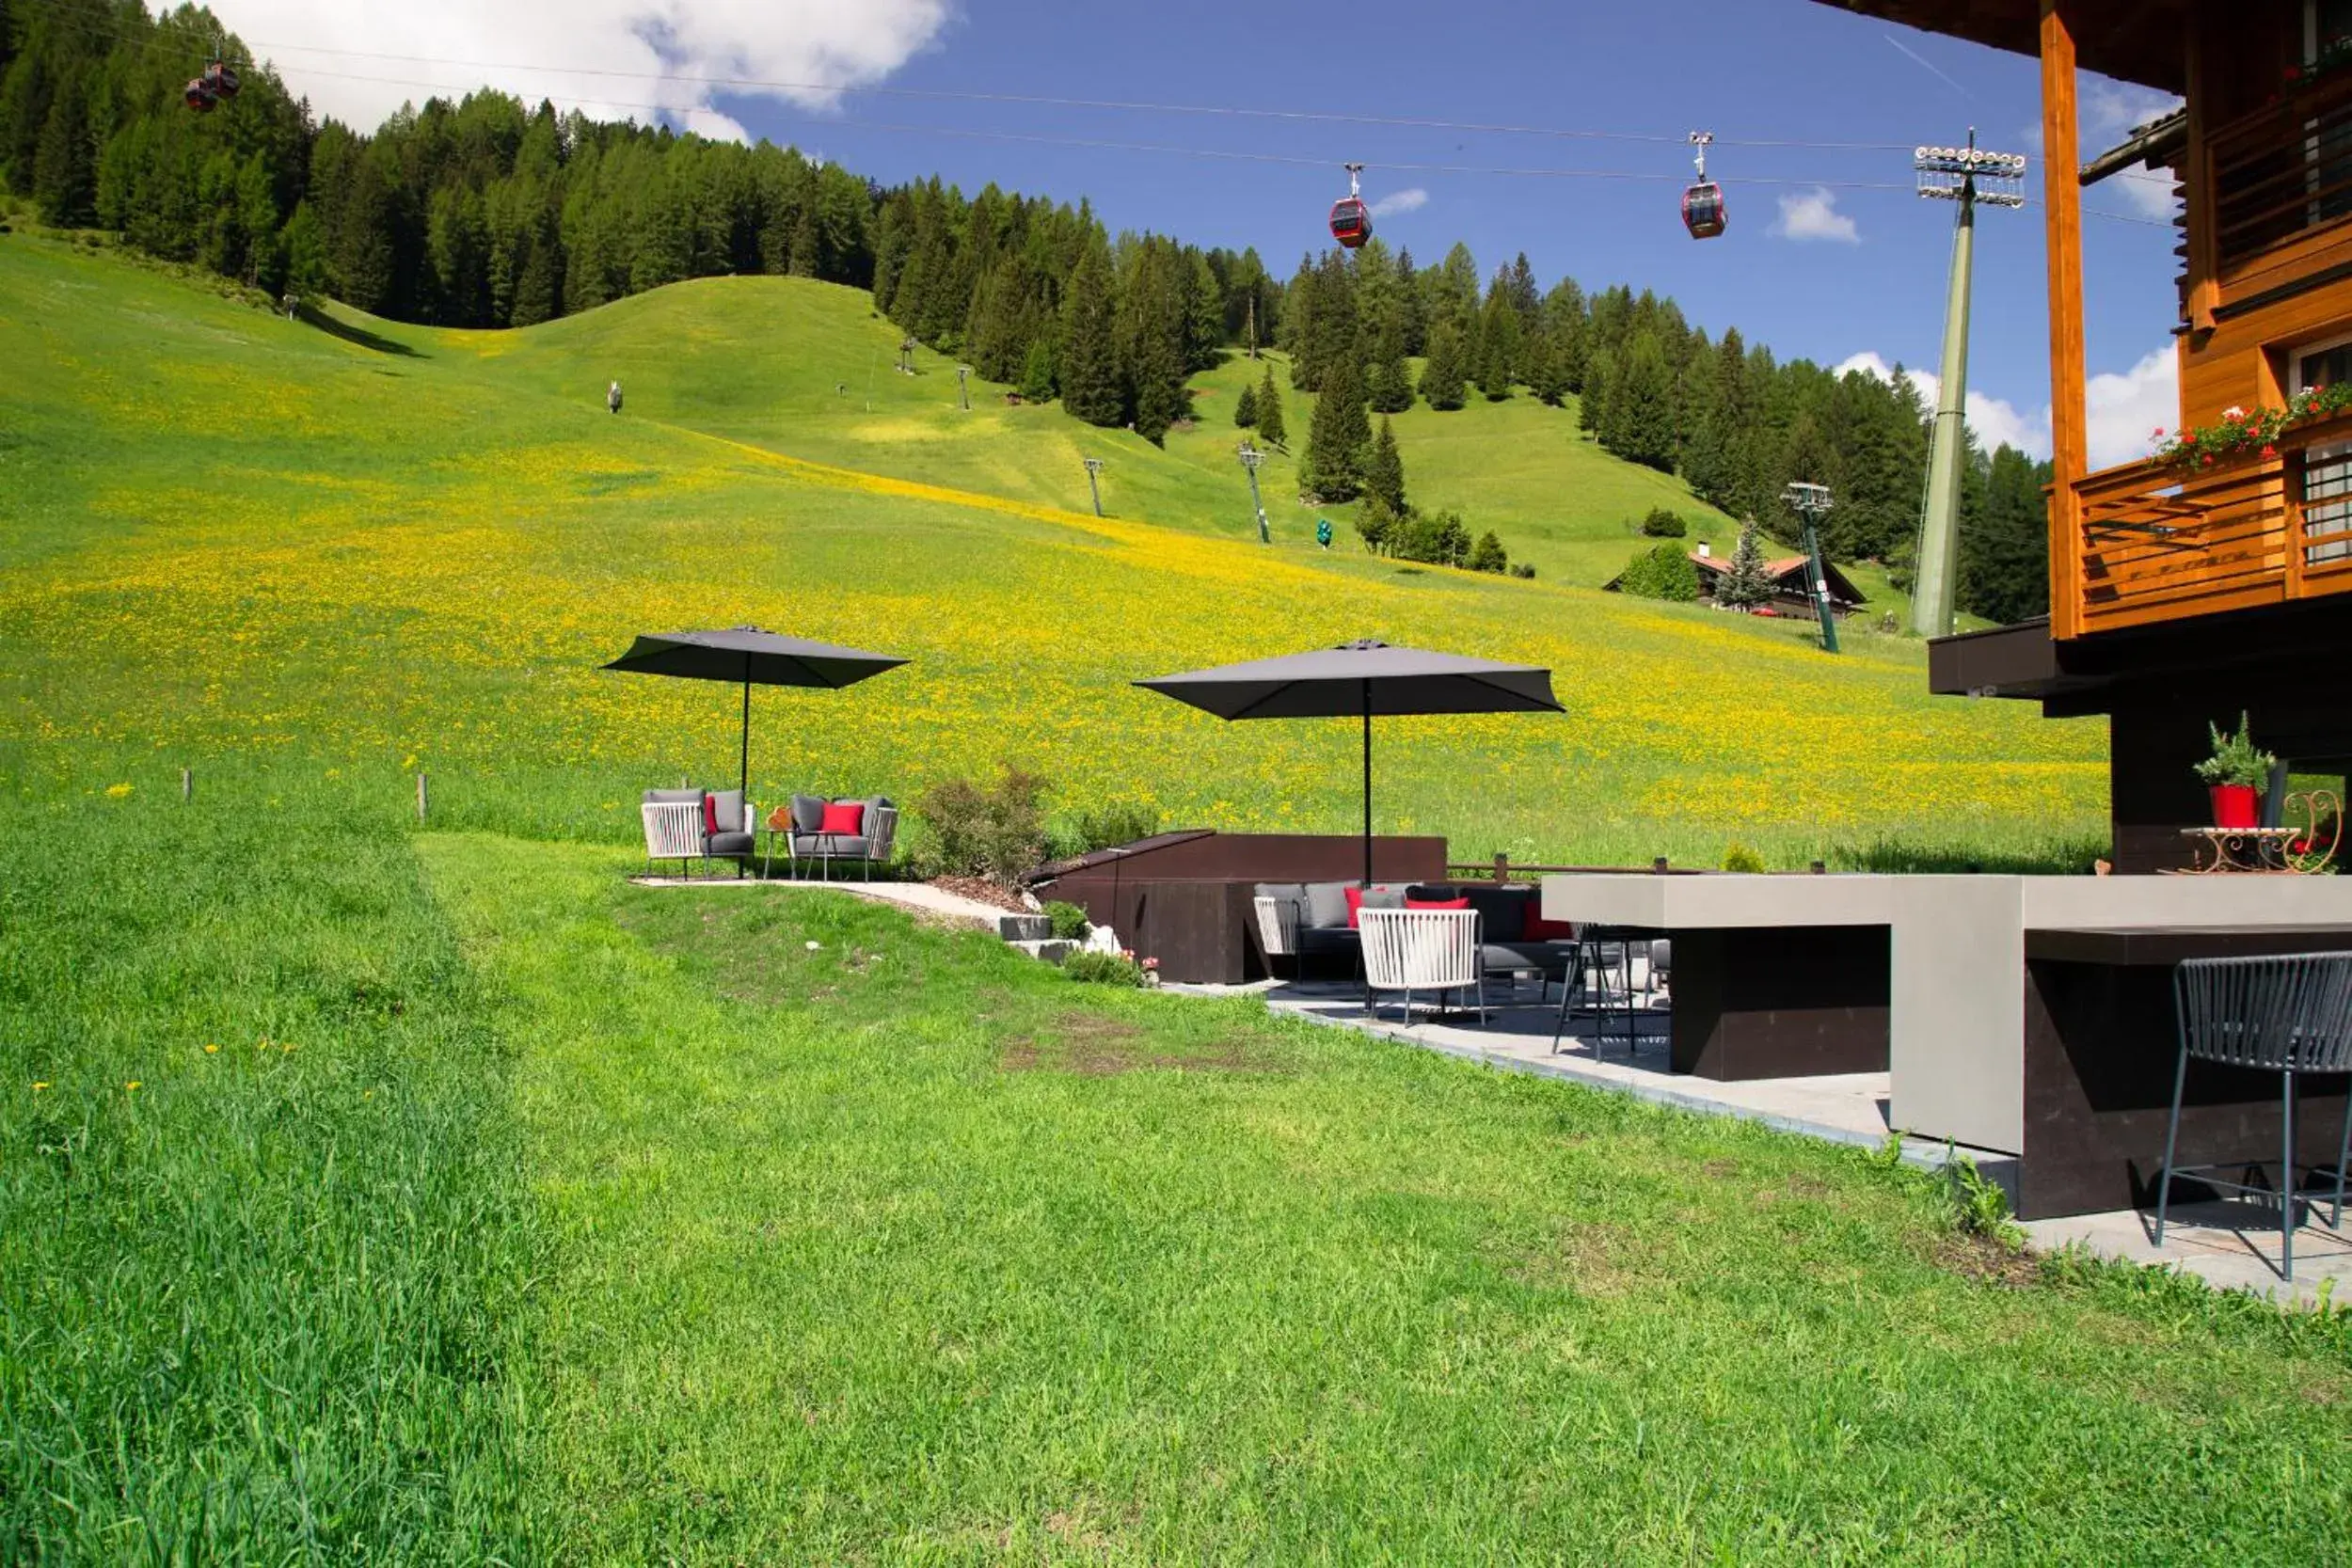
point(1791, 593)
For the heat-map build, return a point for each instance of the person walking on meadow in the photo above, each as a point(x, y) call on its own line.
point(613, 397)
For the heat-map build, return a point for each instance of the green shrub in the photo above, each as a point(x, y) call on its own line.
point(1103, 969)
point(1662, 572)
point(1487, 555)
point(1662, 524)
point(1738, 857)
point(1069, 922)
point(993, 833)
point(1524, 569)
point(2236, 758)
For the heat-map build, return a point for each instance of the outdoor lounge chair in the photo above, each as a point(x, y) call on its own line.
point(678, 827)
point(806, 837)
point(1425, 950)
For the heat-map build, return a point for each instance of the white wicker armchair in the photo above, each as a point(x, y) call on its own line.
point(1425, 950)
point(676, 830)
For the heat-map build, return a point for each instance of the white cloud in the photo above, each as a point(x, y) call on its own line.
point(360, 60)
point(2125, 406)
point(1813, 215)
point(2125, 409)
point(1411, 199)
point(2110, 111)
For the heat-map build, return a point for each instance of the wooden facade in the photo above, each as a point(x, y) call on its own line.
point(2184, 593)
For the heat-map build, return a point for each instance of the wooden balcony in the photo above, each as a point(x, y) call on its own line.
point(2154, 544)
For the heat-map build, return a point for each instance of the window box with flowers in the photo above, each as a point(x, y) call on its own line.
point(2241, 434)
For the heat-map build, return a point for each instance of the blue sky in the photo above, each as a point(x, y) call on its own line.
point(1821, 266)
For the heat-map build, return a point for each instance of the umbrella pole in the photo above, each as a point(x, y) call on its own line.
point(1367, 784)
point(743, 769)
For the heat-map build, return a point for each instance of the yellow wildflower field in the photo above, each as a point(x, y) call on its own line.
point(247, 545)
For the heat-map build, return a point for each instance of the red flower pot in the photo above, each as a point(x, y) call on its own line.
point(2234, 805)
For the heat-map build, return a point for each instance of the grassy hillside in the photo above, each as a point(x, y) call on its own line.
point(236, 541)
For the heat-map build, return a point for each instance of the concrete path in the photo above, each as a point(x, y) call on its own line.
point(918, 897)
point(2230, 1246)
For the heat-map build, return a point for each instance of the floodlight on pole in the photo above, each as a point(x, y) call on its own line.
point(1250, 457)
point(1094, 486)
point(963, 389)
point(1809, 502)
point(1967, 176)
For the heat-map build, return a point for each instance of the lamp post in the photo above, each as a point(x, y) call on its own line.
point(1250, 457)
point(1809, 502)
point(1094, 486)
point(1966, 175)
point(963, 389)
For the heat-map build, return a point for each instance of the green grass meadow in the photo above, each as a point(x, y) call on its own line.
point(377, 1190)
point(526, 1217)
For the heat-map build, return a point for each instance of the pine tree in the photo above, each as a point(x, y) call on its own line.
point(1389, 384)
point(1339, 436)
point(1488, 555)
point(1246, 407)
point(1592, 404)
point(805, 255)
point(1445, 380)
point(65, 174)
point(1744, 585)
point(1641, 415)
point(1525, 297)
point(1498, 342)
point(1384, 471)
point(1269, 410)
point(1036, 371)
point(1089, 370)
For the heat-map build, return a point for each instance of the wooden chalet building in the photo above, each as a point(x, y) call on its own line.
point(1793, 588)
point(2187, 591)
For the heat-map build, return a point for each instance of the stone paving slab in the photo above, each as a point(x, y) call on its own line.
point(2231, 1246)
point(920, 898)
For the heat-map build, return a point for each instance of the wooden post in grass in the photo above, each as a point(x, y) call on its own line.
point(1658, 865)
point(188, 784)
point(422, 797)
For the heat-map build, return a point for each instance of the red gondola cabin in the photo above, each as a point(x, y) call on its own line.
point(1351, 221)
point(200, 95)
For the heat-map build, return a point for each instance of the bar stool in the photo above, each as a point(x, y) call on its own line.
point(2288, 1014)
point(1598, 950)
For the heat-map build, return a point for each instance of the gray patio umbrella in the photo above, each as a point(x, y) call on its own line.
point(1361, 679)
point(754, 658)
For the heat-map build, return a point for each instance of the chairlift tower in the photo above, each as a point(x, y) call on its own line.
point(1094, 485)
point(964, 388)
point(1966, 175)
point(1250, 457)
point(1809, 502)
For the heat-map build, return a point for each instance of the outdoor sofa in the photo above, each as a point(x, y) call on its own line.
point(815, 829)
point(1309, 923)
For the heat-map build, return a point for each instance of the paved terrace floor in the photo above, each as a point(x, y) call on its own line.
point(2230, 1245)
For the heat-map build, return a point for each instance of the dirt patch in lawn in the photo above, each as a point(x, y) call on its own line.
point(1094, 1045)
point(1984, 1260)
point(1591, 1259)
point(981, 891)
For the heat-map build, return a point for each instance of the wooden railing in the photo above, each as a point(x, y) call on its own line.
point(2156, 543)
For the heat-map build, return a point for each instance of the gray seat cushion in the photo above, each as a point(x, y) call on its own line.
point(840, 845)
point(673, 797)
point(1383, 897)
point(1292, 893)
point(1322, 905)
point(808, 814)
point(1551, 957)
point(727, 808)
point(728, 842)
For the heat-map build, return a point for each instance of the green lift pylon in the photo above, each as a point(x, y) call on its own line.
point(1966, 175)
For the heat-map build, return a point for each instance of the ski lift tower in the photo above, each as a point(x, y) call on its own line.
point(1094, 482)
point(1809, 502)
point(1250, 457)
point(1966, 175)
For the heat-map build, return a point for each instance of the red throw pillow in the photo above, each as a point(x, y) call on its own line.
point(846, 817)
point(710, 814)
point(1540, 929)
point(1437, 903)
point(1354, 908)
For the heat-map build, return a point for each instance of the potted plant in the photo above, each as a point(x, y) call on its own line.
point(2235, 775)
